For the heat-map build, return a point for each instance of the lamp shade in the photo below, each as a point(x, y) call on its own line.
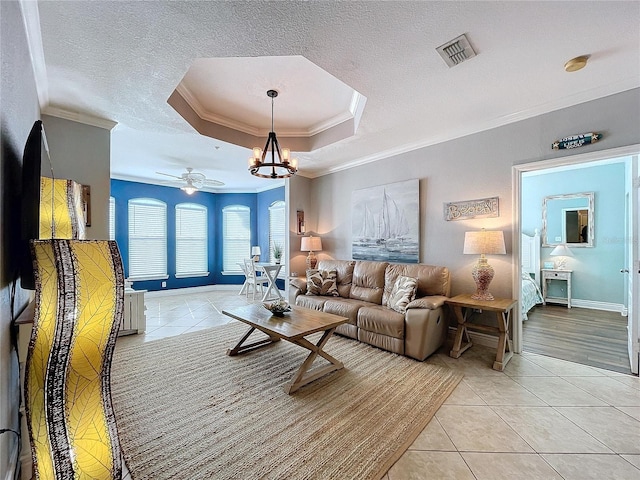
point(561, 251)
point(255, 250)
point(484, 242)
point(311, 244)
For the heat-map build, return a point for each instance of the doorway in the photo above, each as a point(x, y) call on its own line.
point(591, 280)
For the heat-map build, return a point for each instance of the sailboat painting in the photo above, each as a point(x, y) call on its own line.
point(386, 222)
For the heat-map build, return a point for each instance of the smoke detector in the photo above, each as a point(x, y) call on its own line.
point(456, 51)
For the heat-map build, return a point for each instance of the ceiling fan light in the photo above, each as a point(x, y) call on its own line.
point(188, 189)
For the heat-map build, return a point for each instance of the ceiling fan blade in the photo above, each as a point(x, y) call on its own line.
point(168, 175)
point(213, 183)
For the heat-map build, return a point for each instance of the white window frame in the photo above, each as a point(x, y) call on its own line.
point(193, 238)
point(145, 243)
point(236, 245)
point(277, 232)
point(112, 218)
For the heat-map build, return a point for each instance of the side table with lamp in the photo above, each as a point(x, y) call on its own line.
point(464, 306)
point(559, 272)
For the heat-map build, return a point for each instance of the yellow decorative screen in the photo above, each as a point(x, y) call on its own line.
point(79, 307)
point(61, 211)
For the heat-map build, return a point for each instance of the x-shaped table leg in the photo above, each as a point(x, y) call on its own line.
point(301, 377)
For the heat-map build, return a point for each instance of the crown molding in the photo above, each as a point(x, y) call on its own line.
point(317, 128)
point(80, 118)
point(197, 107)
point(569, 101)
point(31, 20)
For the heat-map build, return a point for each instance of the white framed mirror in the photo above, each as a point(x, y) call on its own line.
point(568, 219)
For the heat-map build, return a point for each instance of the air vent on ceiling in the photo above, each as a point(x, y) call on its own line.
point(456, 51)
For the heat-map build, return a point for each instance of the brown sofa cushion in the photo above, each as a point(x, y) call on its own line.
point(368, 281)
point(344, 307)
point(379, 319)
point(432, 280)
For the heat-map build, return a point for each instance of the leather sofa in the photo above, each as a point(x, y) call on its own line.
point(364, 288)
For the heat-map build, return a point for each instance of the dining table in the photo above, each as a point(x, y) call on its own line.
point(271, 272)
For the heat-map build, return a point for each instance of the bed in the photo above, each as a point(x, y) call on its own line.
point(530, 282)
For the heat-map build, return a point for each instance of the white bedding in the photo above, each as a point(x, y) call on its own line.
point(531, 295)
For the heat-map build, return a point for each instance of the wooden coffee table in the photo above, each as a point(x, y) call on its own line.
point(292, 327)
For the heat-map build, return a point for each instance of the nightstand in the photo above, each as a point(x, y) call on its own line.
point(555, 274)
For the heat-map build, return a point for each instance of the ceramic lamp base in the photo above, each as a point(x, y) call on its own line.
point(482, 274)
point(312, 261)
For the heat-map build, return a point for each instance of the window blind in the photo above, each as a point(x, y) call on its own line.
point(236, 235)
point(191, 240)
point(112, 218)
point(277, 232)
point(147, 238)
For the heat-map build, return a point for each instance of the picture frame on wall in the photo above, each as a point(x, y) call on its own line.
point(386, 222)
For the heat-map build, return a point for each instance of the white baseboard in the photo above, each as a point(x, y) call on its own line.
point(605, 306)
point(191, 290)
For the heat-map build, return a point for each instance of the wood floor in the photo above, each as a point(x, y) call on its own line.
point(581, 335)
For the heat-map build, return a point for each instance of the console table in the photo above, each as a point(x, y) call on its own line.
point(463, 306)
point(556, 274)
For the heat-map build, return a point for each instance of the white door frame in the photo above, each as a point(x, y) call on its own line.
point(516, 181)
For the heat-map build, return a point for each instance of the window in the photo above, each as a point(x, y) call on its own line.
point(236, 234)
point(147, 239)
point(277, 231)
point(191, 240)
point(112, 218)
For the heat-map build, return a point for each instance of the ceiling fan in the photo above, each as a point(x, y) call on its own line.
point(192, 181)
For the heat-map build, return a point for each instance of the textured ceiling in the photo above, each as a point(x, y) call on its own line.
point(122, 60)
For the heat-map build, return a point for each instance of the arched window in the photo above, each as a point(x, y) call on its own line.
point(191, 240)
point(147, 239)
point(236, 237)
point(277, 231)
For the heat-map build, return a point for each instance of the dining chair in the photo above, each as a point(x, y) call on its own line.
point(252, 279)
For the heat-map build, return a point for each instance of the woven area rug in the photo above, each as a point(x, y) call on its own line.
point(186, 410)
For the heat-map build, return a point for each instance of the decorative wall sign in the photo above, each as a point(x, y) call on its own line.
point(480, 208)
point(386, 223)
point(575, 141)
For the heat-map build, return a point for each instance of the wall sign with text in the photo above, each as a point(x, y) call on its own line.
point(480, 208)
point(575, 141)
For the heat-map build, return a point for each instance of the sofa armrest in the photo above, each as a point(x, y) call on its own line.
point(299, 286)
point(431, 302)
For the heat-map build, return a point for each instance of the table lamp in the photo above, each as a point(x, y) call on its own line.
point(562, 252)
point(311, 244)
point(484, 243)
point(255, 253)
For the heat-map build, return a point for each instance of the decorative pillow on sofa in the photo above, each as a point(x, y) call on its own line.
point(322, 282)
point(403, 292)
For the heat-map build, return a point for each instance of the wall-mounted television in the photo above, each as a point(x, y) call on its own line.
point(30, 202)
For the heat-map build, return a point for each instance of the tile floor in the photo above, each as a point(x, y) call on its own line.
point(542, 418)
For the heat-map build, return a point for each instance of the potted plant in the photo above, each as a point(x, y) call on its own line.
point(277, 252)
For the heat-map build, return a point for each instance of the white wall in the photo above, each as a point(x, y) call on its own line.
point(468, 168)
point(19, 110)
point(82, 153)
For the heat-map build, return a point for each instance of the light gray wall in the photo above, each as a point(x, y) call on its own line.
point(467, 168)
point(19, 110)
point(82, 153)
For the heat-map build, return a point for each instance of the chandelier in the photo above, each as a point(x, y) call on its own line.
point(284, 167)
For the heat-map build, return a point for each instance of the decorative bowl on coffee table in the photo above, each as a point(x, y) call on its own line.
point(278, 308)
